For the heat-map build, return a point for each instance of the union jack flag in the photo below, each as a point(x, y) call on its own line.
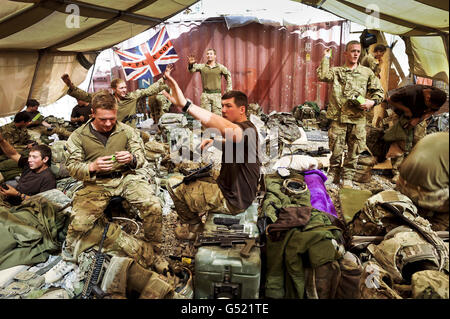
point(149, 58)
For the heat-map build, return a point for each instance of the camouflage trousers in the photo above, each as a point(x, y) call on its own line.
point(159, 105)
point(433, 200)
point(88, 219)
point(340, 135)
point(415, 135)
point(212, 102)
point(197, 198)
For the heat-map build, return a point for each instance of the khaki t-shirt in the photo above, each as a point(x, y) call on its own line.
point(238, 180)
point(427, 164)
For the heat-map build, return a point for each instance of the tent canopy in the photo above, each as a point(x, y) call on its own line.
point(42, 39)
point(423, 24)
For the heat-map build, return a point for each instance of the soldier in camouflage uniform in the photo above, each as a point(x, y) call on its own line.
point(424, 178)
point(16, 132)
point(17, 135)
point(108, 156)
point(413, 105)
point(126, 101)
point(159, 104)
point(373, 61)
point(211, 73)
point(350, 82)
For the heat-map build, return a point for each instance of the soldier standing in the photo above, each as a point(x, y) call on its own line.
point(355, 89)
point(211, 73)
point(108, 156)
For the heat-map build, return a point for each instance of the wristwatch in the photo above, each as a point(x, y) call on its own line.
point(186, 106)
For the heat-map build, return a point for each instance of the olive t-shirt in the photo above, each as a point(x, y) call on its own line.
point(31, 183)
point(239, 173)
point(427, 164)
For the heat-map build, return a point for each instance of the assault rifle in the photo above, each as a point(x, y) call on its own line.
point(319, 152)
point(227, 239)
point(129, 118)
point(195, 174)
point(91, 284)
point(228, 223)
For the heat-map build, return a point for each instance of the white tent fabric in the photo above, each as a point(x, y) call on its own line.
point(41, 40)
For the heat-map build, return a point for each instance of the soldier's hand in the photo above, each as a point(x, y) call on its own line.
point(205, 144)
point(367, 105)
point(177, 98)
point(124, 157)
point(10, 191)
point(66, 80)
point(191, 59)
point(81, 118)
point(101, 164)
point(414, 122)
point(408, 113)
point(168, 71)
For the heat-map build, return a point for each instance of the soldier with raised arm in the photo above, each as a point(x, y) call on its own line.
point(126, 101)
point(355, 89)
point(212, 73)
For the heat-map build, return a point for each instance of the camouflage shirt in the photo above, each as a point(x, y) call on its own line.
point(83, 147)
point(211, 76)
point(126, 106)
point(15, 136)
point(347, 86)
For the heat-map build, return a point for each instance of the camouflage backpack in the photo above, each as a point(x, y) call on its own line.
point(374, 220)
point(58, 166)
point(404, 251)
point(308, 110)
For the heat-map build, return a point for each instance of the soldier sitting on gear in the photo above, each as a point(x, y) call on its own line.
point(40, 126)
point(16, 132)
point(424, 178)
point(36, 177)
point(108, 156)
point(211, 73)
point(236, 186)
point(36, 117)
point(81, 113)
point(126, 101)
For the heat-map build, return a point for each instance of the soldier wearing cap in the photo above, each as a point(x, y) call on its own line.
point(355, 89)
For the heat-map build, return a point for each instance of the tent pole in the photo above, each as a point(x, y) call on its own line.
point(92, 74)
point(38, 63)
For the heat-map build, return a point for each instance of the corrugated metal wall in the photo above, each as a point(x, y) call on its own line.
point(274, 66)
